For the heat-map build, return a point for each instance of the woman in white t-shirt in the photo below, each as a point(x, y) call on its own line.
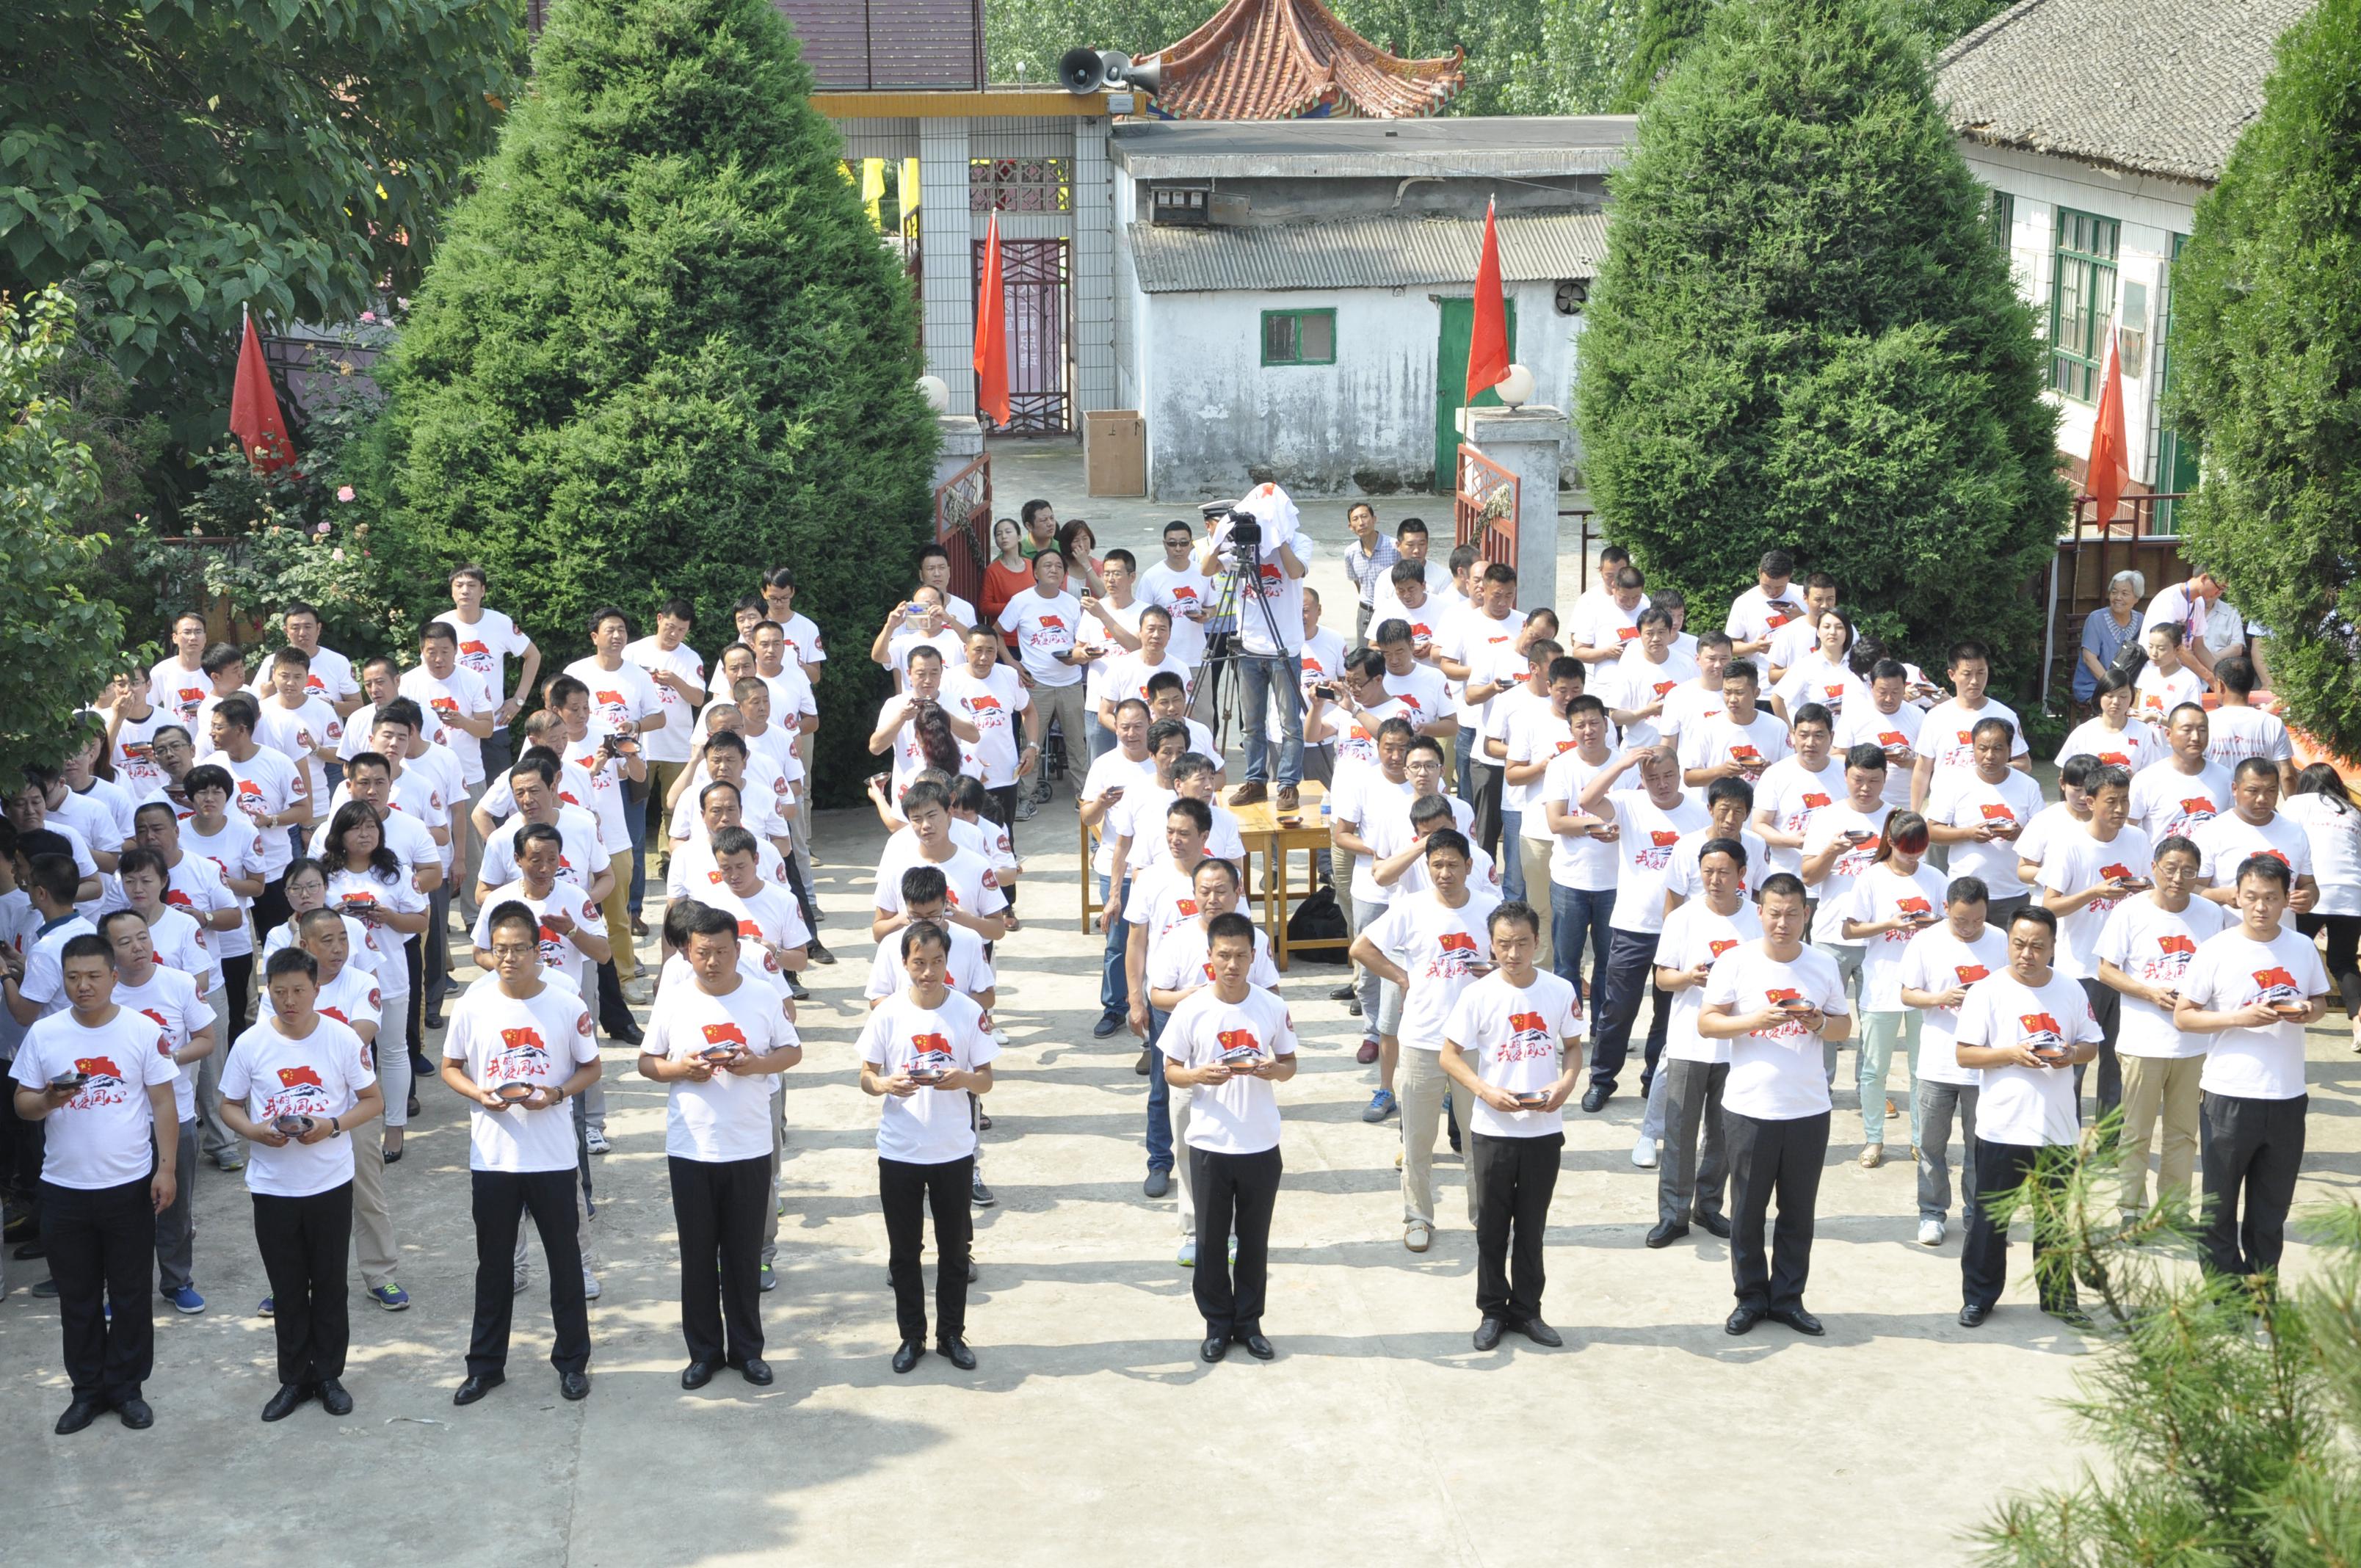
point(1823, 676)
point(1887, 906)
point(2332, 825)
point(367, 881)
point(2114, 736)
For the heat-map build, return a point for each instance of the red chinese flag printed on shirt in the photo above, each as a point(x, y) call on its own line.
point(1971, 973)
point(1662, 839)
point(2185, 946)
point(291, 1077)
point(724, 1035)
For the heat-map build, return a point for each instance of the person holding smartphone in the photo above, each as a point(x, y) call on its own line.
point(2085, 877)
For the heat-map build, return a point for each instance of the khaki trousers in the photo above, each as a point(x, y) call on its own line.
point(373, 1239)
point(1420, 1087)
point(1533, 854)
point(2154, 1088)
point(618, 912)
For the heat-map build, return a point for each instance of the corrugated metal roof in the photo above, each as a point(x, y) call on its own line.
point(1473, 146)
point(1362, 253)
point(2149, 86)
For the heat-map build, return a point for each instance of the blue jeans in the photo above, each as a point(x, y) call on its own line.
point(1115, 990)
point(1102, 738)
point(1463, 751)
point(636, 819)
point(1258, 673)
point(1159, 1096)
point(1575, 912)
point(1511, 862)
point(1631, 979)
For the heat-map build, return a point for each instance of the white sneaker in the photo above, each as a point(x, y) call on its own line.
point(1188, 1258)
point(1643, 1153)
point(1000, 1039)
point(590, 1284)
point(1930, 1232)
point(596, 1141)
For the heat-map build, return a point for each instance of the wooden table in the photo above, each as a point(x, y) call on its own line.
point(1276, 843)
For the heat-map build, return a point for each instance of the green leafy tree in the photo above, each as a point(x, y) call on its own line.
point(2228, 1407)
point(180, 159)
point(1666, 30)
point(57, 645)
point(2266, 362)
point(1803, 338)
point(662, 349)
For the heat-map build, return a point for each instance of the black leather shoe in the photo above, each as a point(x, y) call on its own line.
point(1108, 1025)
point(629, 1035)
point(696, 1375)
point(134, 1413)
point(1345, 992)
point(755, 1370)
point(2071, 1315)
point(574, 1385)
point(956, 1351)
point(818, 954)
point(1256, 1346)
point(1743, 1320)
point(1147, 1059)
point(1715, 1224)
point(1594, 1098)
point(1800, 1321)
point(477, 1385)
point(80, 1414)
point(1973, 1314)
point(332, 1398)
point(1667, 1232)
point(1540, 1333)
point(906, 1356)
point(1215, 1347)
point(1488, 1332)
point(433, 1018)
point(291, 1397)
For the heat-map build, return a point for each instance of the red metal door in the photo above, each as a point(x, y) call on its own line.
point(1033, 276)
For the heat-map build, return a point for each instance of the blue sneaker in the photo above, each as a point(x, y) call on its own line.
point(390, 1295)
point(186, 1300)
point(770, 1281)
point(269, 1308)
point(1382, 1105)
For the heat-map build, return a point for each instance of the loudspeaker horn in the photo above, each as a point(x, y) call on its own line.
point(1082, 70)
point(1144, 77)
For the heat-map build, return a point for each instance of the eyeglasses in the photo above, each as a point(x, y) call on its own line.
point(515, 950)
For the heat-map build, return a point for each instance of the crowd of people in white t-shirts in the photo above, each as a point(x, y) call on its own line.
point(231, 924)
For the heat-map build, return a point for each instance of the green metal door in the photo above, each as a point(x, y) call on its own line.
point(1451, 384)
point(2176, 455)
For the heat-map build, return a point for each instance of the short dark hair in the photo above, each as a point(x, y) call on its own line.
point(919, 931)
point(513, 912)
point(1777, 564)
point(1200, 815)
point(1730, 787)
point(709, 921)
point(1026, 513)
point(1735, 849)
point(1865, 756)
point(220, 656)
point(1443, 838)
point(238, 711)
point(55, 875)
point(295, 960)
point(1813, 713)
point(735, 842)
point(1231, 924)
point(1966, 890)
point(606, 612)
point(2039, 916)
point(88, 944)
point(1515, 910)
point(1785, 883)
point(2271, 868)
point(924, 885)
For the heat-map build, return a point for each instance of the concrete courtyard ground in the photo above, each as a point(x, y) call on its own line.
point(1090, 1433)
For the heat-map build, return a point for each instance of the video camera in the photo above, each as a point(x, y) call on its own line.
point(1240, 530)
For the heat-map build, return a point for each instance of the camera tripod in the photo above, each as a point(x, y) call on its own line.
point(1207, 701)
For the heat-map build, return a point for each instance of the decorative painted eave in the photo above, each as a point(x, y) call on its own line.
point(1279, 60)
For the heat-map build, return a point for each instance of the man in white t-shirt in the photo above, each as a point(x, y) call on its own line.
point(1695, 701)
point(1756, 615)
point(2239, 729)
point(1947, 744)
point(2186, 609)
point(2255, 987)
point(456, 695)
point(1889, 722)
point(1420, 687)
point(919, 622)
point(1431, 945)
point(1478, 650)
point(488, 640)
point(995, 698)
point(1646, 824)
point(1796, 789)
point(1980, 812)
point(2143, 951)
point(1937, 967)
point(1742, 741)
point(174, 1000)
point(1604, 625)
point(1513, 1043)
point(678, 675)
point(2018, 1028)
point(177, 684)
point(97, 1079)
point(629, 704)
point(2255, 826)
point(2086, 875)
point(1640, 682)
point(1686, 1093)
point(2185, 791)
point(519, 1047)
point(1226, 1045)
point(926, 1053)
point(1775, 1001)
point(1047, 622)
point(717, 1043)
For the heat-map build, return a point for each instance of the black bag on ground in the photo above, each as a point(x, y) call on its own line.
point(1317, 917)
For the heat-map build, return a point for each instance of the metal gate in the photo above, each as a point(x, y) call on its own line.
point(1033, 276)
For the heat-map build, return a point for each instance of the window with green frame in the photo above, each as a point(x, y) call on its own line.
point(2000, 217)
point(1298, 337)
point(2082, 301)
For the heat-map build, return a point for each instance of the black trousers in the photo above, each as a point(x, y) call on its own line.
point(2344, 954)
point(2107, 1011)
point(906, 1191)
point(2002, 1169)
point(802, 890)
point(718, 1206)
point(304, 1242)
point(238, 980)
point(1489, 784)
point(501, 1200)
point(101, 1251)
point(1772, 1159)
point(1630, 975)
point(22, 1147)
point(1514, 1180)
point(1234, 1193)
point(2252, 1148)
point(271, 909)
point(413, 964)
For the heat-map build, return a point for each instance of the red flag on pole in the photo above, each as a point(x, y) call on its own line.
point(991, 332)
point(2110, 468)
point(1487, 345)
point(254, 409)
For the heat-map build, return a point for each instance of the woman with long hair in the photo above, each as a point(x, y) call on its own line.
point(2116, 735)
point(1075, 542)
point(1890, 903)
point(1823, 676)
point(366, 881)
point(2333, 825)
point(937, 744)
point(1009, 574)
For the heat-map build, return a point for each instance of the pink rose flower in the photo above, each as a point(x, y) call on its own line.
point(343, 493)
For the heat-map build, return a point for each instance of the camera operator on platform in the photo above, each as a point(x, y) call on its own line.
point(1262, 538)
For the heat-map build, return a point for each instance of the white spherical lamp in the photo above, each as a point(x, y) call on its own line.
point(1516, 388)
point(937, 393)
